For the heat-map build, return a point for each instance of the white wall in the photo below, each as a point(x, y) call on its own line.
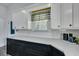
point(3, 25)
point(14, 7)
point(52, 34)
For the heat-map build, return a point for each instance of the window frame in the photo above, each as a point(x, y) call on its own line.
point(48, 22)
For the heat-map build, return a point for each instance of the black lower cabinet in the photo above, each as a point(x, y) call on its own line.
point(25, 48)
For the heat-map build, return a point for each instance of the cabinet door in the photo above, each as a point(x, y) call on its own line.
point(76, 15)
point(55, 16)
point(66, 15)
point(1, 26)
point(20, 20)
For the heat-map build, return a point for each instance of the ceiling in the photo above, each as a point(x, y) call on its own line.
point(15, 6)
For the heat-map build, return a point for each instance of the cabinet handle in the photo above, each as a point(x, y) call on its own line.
point(70, 25)
point(58, 25)
point(22, 27)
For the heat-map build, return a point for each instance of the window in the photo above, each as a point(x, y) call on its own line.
point(40, 19)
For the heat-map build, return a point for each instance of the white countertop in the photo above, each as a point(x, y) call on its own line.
point(69, 49)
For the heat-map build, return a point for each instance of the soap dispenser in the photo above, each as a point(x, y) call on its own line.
point(70, 37)
point(12, 31)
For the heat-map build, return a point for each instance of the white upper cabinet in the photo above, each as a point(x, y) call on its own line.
point(66, 15)
point(76, 15)
point(55, 16)
point(20, 20)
